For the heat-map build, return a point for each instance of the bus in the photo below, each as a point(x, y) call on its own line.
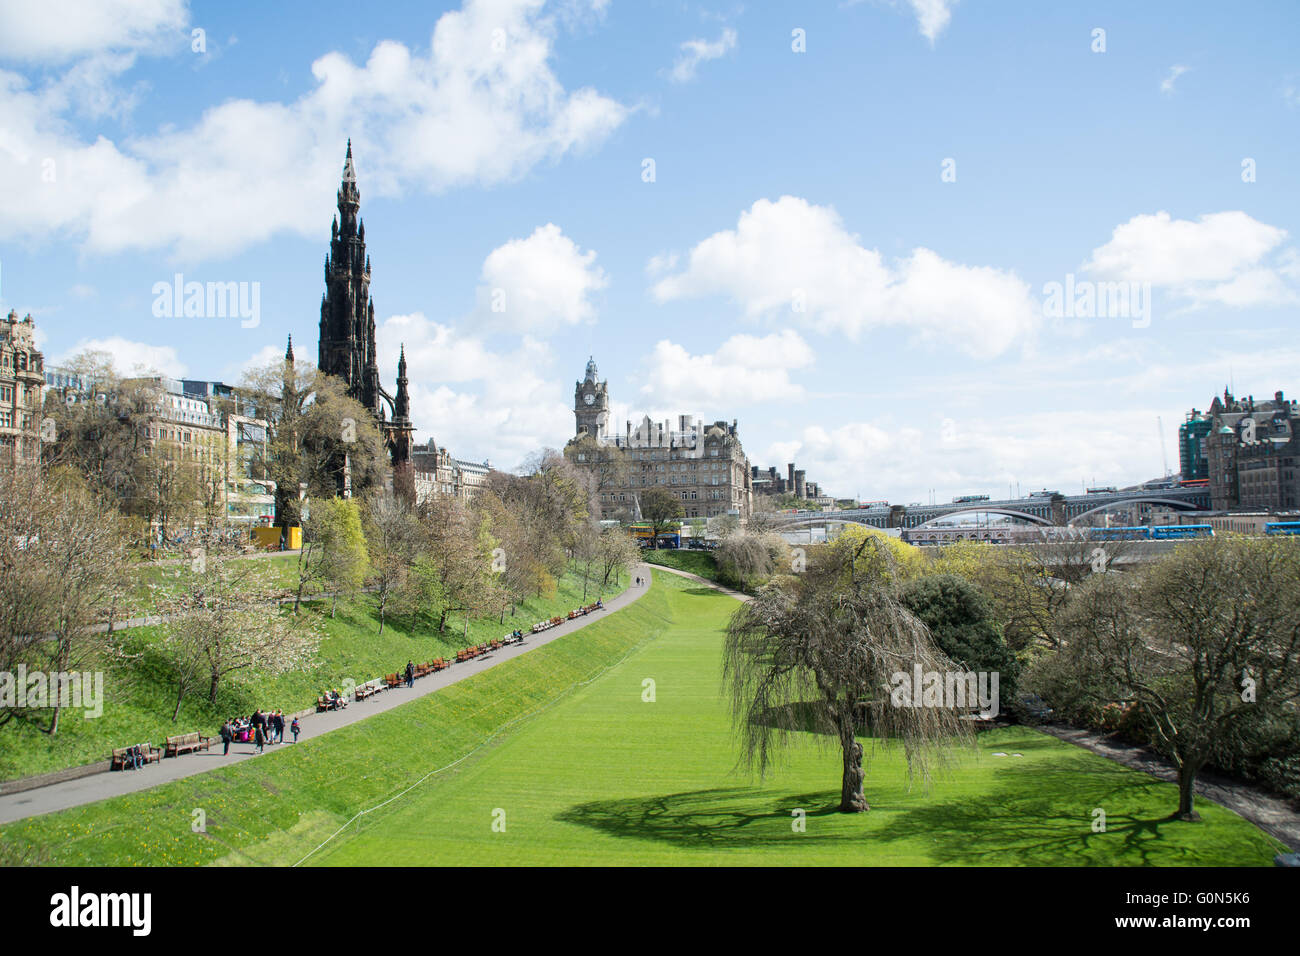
point(1194, 483)
point(1282, 527)
point(644, 536)
point(1182, 531)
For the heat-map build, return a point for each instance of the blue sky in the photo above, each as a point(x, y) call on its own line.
point(849, 248)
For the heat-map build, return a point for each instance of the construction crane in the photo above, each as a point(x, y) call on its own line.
point(1160, 433)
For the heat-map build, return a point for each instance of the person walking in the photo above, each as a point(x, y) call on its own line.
point(227, 735)
point(410, 674)
point(259, 738)
point(296, 728)
point(279, 726)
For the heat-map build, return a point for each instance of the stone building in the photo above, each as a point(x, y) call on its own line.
point(1253, 454)
point(22, 381)
point(206, 426)
point(704, 466)
point(438, 473)
point(794, 482)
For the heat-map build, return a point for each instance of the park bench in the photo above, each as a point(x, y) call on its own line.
point(362, 691)
point(186, 743)
point(148, 752)
point(392, 680)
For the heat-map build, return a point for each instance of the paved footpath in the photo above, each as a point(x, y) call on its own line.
point(102, 786)
point(1271, 814)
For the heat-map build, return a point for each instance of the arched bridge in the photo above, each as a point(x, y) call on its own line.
point(1049, 508)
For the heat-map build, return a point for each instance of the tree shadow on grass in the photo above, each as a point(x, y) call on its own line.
point(1043, 815)
point(1032, 815)
point(717, 818)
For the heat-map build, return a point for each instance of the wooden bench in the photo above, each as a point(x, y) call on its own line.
point(148, 754)
point(362, 691)
point(187, 743)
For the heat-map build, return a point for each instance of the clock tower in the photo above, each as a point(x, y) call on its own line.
point(591, 404)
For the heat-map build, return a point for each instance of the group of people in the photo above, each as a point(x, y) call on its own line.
point(334, 700)
point(264, 727)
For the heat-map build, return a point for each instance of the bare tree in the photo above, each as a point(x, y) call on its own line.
point(618, 553)
point(1206, 642)
point(749, 560)
point(62, 563)
point(224, 620)
point(662, 509)
point(391, 533)
point(819, 652)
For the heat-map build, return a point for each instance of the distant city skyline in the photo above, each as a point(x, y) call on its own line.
point(909, 245)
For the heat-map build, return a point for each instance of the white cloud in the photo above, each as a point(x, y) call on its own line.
point(132, 358)
point(902, 461)
point(472, 400)
point(795, 260)
point(58, 30)
point(744, 370)
point(932, 16)
point(1167, 84)
point(695, 52)
point(1221, 257)
point(260, 359)
point(539, 283)
point(481, 106)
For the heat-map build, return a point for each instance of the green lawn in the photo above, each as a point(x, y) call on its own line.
point(139, 696)
point(560, 744)
point(696, 562)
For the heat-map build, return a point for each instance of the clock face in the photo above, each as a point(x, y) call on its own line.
point(589, 398)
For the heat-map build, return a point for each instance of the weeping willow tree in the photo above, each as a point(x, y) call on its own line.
point(819, 651)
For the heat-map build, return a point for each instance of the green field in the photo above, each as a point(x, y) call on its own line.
point(140, 698)
point(560, 745)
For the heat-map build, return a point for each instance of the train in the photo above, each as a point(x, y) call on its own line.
point(1159, 533)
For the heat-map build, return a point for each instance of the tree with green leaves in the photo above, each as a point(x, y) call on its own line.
point(961, 621)
point(317, 433)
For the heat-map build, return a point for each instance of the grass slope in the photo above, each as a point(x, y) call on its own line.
point(139, 695)
point(276, 808)
point(696, 562)
point(595, 774)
